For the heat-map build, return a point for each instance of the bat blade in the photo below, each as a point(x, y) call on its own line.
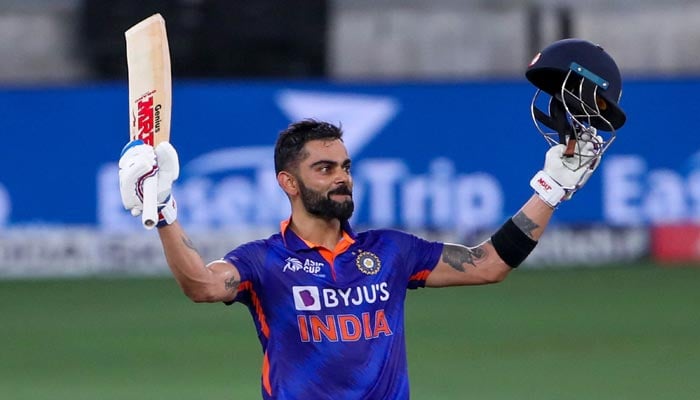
point(150, 96)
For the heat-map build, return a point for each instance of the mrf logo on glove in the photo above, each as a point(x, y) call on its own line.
point(545, 186)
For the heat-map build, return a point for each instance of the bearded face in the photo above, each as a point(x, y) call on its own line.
point(322, 205)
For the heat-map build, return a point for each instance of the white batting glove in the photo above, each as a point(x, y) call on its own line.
point(137, 162)
point(140, 161)
point(562, 176)
point(169, 170)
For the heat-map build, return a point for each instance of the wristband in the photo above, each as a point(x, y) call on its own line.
point(512, 244)
point(167, 212)
point(547, 189)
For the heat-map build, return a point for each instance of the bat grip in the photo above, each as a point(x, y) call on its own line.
point(149, 217)
point(570, 148)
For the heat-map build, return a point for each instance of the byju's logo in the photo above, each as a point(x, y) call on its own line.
point(306, 298)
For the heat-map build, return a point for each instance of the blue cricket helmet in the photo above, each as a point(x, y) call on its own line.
point(584, 77)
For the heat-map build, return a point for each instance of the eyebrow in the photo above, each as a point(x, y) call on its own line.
point(331, 162)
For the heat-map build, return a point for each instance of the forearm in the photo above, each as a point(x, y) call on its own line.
point(492, 260)
point(518, 236)
point(533, 217)
point(531, 220)
point(185, 262)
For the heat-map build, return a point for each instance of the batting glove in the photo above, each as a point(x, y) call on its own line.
point(562, 176)
point(169, 170)
point(138, 162)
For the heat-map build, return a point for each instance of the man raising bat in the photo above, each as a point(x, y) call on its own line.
point(327, 301)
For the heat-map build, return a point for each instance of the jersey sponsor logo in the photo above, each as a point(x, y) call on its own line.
point(368, 263)
point(306, 298)
point(355, 296)
point(343, 327)
point(309, 266)
point(311, 298)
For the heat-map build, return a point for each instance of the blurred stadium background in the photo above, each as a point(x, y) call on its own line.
point(433, 99)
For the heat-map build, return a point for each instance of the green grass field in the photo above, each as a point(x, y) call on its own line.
point(613, 333)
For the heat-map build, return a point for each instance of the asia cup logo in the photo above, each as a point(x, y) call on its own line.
point(368, 263)
point(292, 264)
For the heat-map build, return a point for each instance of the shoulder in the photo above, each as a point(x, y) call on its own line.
point(402, 241)
point(259, 244)
point(388, 235)
point(256, 249)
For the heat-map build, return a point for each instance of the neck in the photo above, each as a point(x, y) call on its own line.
point(326, 233)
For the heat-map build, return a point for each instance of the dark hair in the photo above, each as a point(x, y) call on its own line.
point(291, 141)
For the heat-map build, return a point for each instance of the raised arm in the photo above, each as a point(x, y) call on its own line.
point(482, 264)
point(491, 261)
point(215, 282)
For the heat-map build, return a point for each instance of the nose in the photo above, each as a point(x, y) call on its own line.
point(343, 177)
point(342, 184)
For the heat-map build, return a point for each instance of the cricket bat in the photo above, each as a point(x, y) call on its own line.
point(150, 96)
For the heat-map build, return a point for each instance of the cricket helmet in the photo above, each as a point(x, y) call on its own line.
point(584, 86)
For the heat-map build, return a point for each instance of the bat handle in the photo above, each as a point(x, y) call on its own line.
point(570, 148)
point(149, 217)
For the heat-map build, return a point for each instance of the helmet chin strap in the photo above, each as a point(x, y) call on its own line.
point(558, 121)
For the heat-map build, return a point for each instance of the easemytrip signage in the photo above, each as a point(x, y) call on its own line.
point(444, 157)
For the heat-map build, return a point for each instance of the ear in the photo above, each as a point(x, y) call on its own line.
point(288, 183)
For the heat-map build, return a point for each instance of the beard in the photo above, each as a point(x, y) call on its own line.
point(320, 205)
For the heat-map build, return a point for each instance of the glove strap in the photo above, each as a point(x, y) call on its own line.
point(167, 212)
point(547, 189)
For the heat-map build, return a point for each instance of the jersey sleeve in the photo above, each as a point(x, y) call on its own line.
point(248, 259)
point(420, 257)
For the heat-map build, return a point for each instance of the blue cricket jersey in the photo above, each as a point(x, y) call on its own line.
point(331, 322)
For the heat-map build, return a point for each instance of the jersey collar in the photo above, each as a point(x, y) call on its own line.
point(295, 243)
